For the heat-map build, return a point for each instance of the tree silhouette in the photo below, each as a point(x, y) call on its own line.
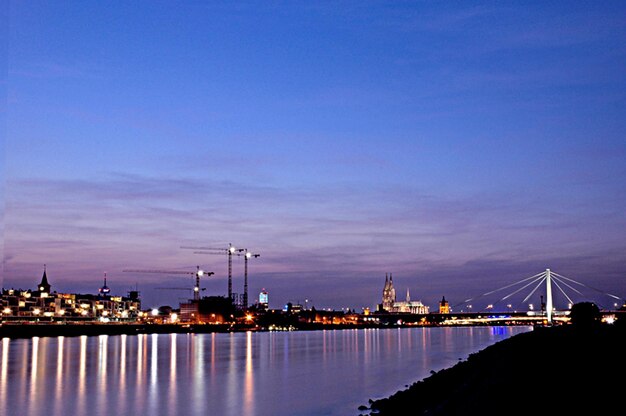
point(585, 314)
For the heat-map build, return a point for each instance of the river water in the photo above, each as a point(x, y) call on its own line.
point(308, 373)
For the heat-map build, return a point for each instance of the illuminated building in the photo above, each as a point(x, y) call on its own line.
point(408, 306)
point(209, 309)
point(444, 306)
point(263, 300)
point(42, 304)
point(189, 311)
point(389, 294)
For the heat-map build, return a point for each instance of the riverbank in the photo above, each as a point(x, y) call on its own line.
point(553, 370)
point(69, 329)
point(57, 329)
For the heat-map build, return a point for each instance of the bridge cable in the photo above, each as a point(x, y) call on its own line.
point(522, 288)
point(569, 286)
point(588, 287)
point(518, 290)
point(580, 293)
point(534, 290)
point(563, 292)
point(502, 288)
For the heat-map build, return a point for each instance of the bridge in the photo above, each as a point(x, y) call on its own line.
point(552, 282)
point(523, 312)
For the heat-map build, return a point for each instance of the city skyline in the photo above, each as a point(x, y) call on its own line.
point(458, 146)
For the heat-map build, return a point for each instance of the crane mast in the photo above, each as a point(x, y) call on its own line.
point(246, 257)
point(230, 251)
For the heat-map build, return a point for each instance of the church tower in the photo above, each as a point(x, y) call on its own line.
point(444, 306)
point(44, 286)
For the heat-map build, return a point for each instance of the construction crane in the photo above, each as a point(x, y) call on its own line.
point(179, 288)
point(198, 273)
point(230, 251)
point(247, 255)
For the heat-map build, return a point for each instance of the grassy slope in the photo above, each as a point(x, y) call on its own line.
point(557, 370)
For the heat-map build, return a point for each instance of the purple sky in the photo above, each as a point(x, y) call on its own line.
point(459, 146)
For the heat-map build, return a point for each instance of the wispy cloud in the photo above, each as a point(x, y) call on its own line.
point(88, 226)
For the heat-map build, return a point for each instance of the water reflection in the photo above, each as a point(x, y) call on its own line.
point(172, 381)
point(248, 391)
point(59, 373)
point(102, 370)
point(122, 374)
point(82, 376)
point(34, 368)
point(6, 343)
point(152, 391)
point(250, 374)
point(140, 362)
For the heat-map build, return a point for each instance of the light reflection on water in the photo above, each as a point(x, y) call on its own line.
point(249, 374)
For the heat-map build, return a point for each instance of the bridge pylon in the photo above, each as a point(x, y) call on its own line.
point(549, 296)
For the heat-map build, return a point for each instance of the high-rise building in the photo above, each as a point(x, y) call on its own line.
point(263, 299)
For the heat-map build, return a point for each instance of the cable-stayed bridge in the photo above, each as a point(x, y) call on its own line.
point(546, 295)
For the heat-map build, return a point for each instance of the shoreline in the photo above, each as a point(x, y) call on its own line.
point(556, 370)
point(25, 331)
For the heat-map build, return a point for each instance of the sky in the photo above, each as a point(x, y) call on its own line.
point(460, 146)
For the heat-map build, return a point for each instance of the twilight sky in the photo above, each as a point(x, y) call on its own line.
point(460, 146)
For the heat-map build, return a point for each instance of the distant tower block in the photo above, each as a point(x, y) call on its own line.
point(263, 299)
point(104, 290)
point(444, 306)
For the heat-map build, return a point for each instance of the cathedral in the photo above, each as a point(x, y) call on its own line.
point(408, 306)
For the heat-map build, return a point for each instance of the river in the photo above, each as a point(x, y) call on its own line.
point(308, 373)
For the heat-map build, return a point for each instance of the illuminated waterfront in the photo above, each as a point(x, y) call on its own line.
point(269, 373)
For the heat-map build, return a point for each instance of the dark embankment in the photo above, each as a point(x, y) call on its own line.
point(557, 370)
